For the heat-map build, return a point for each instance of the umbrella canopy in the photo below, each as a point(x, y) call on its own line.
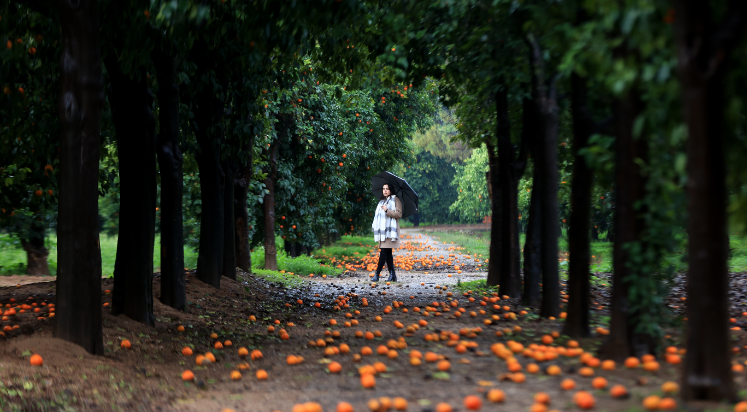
point(399, 187)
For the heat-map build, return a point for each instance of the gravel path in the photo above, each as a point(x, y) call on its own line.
point(419, 282)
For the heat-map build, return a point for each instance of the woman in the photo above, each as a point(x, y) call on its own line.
point(386, 227)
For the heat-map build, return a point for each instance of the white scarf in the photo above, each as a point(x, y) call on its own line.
point(384, 226)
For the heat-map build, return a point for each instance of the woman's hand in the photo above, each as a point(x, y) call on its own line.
point(384, 208)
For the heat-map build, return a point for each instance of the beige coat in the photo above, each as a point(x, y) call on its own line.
point(389, 243)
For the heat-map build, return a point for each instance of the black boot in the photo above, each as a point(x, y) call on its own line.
point(392, 276)
point(376, 276)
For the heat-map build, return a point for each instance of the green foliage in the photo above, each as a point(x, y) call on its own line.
point(439, 140)
point(473, 202)
point(432, 178)
point(469, 242)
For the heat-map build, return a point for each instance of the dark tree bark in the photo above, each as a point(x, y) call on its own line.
point(533, 247)
point(241, 216)
point(703, 55)
point(271, 255)
point(494, 265)
point(78, 318)
point(579, 244)
point(629, 224)
point(36, 253)
point(532, 244)
point(170, 161)
point(210, 260)
point(134, 126)
point(545, 97)
point(229, 230)
point(511, 169)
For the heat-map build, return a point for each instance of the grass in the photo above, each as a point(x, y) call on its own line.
point(345, 248)
point(286, 279)
point(13, 257)
point(301, 265)
point(473, 243)
point(476, 286)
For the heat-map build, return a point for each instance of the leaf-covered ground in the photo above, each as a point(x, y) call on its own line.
point(466, 344)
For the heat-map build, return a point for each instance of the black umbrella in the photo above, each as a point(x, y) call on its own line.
point(399, 187)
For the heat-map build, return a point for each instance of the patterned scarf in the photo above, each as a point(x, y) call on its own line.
point(384, 226)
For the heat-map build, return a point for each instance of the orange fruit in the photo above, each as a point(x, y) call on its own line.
point(670, 387)
point(36, 360)
point(632, 362)
point(443, 407)
point(608, 365)
point(334, 367)
point(400, 403)
point(209, 356)
point(651, 366)
point(261, 374)
point(667, 404)
point(553, 370)
point(741, 407)
point(368, 381)
point(188, 376)
point(584, 400)
point(472, 402)
point(618, 391)
point(651, 403)
point(243, 352)
point(125, 344)
point(235, 375)
point(444, 365)
point(496, 395)
point(344, 407)
point(568, 384)
point(256, 354)
point(586, 371)
point(599, 383)
point(186, 351)
point(542, 397)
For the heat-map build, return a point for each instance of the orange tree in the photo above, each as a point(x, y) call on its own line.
point(29, 146)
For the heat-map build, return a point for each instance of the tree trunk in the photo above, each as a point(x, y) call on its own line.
point(210, 260)
point(241, 216)
point(545, 97)
point(134, 126)
point(630, 187)
point(170, 161)
point(703, 53)
point(229, 230)
point(494, 265)
point(271, 256)
point(36, 253)
point(510, 253)
point(78, 318)
point(579, 245)
point(532, 244)
point(532, 247)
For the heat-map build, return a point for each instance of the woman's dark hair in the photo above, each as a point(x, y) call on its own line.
point(382, 194)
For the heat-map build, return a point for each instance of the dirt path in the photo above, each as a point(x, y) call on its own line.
point(419, 283)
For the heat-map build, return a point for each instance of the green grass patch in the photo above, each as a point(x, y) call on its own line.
point(472, 243)
point(346, 249)
point(286, 279)
point(302, 265)
point(13, 257)
point(476, 286)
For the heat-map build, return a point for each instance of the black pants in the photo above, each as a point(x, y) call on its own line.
point(385, 256)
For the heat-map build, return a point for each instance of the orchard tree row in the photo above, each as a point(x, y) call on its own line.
point(305, 100)
point(256, 129)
